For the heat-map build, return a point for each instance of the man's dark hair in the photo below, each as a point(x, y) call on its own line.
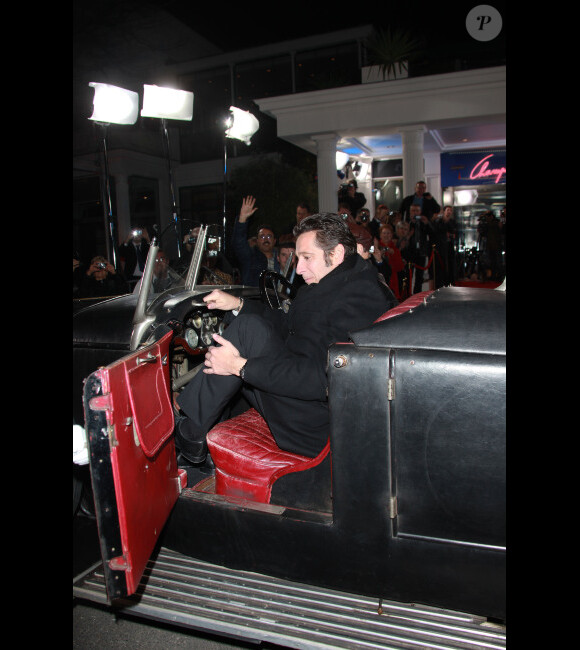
point(266, 226)
point(331, 230)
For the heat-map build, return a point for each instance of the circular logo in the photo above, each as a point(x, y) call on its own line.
point(483, 23)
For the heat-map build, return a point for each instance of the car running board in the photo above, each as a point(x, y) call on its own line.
point(186, 592)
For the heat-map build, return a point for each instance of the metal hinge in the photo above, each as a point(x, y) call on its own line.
point(390, 389)
point(111, 435)
point(392, 507)
point(119, 563)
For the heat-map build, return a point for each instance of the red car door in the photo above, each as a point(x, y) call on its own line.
point(129, 422)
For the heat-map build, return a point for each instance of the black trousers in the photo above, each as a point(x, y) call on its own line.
point(206, 396)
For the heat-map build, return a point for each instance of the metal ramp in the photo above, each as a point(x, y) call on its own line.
point(186, 592)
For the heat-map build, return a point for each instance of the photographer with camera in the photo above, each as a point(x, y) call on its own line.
point(381, 217)
point(133, 254)
point(215, 266)
point(101, 280)
point(363, 217)
point(349, 195)
point(428, 206)
point(388, 258)
point(420, 245)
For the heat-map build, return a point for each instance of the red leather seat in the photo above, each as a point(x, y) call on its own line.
point(412, 301)
point(248, 462)
point(247, 459)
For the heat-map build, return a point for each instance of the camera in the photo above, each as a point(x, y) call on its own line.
point(137, 232)
point(214, 242)
point(101, 265)
point(344, 215)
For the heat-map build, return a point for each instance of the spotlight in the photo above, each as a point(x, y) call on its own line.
point(341, 159)
point(465, 197)
point(241, 125)
point(114, 105)
point(167, 103)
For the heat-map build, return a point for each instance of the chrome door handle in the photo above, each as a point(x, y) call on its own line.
point(150, 358)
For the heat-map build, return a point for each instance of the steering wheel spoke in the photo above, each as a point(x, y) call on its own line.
point(276, 285)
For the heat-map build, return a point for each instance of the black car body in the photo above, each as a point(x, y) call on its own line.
point(416, 471)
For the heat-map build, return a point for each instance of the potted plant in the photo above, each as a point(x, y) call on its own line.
point(388, 53)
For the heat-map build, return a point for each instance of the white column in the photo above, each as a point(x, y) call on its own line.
point(326, 168)
point(413, 158)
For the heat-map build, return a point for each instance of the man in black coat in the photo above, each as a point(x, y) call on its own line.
point(253, 259)
point(133, 253)
point(279, 358)
point(422, 198)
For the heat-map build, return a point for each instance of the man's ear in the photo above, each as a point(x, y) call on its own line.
point(337, 255)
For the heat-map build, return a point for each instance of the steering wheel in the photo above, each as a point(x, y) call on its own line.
point(269, 282)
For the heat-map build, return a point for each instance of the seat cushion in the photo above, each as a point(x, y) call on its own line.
point(247, 458)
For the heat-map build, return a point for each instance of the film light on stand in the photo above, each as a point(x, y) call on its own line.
point(341, 159)
point(114, 105)
point(241, 125)
point(167, 103)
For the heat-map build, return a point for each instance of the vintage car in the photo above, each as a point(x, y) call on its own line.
point(393, 536)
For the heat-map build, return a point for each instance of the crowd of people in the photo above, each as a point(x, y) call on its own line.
point(351, 266)
point(408, 247)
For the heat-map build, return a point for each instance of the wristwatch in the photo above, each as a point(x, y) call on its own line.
point(243, 371)
point(235, 312)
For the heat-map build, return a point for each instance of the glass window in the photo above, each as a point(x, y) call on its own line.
point(388, 191)
point(201, 204)
point(144, 203)
point(329, 67)
point(263, 78)
point(203, 139)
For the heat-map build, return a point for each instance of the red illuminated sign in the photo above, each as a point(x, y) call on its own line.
point(481, 170)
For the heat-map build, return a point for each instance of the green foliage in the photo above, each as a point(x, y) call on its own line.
point(277, 187)
point(391, 49)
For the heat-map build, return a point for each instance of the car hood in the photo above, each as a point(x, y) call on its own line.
point(107, 324)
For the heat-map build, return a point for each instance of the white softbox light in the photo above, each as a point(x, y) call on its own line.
point(114, 105)
point(167, 103)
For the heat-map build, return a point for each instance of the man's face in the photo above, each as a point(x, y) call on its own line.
point(283, 255)
point(414, 211)
point(160, 264)
point(301, 213)
point(311, 264)
point(265, 241)
point(420, 189)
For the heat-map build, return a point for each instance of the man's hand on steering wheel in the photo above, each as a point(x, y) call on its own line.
point(219, 299)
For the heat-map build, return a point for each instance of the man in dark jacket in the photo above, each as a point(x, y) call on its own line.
point(422, 198)
point(278, 358)
point(253, 259)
